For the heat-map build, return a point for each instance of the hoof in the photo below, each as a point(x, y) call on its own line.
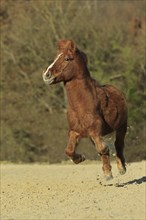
point(122, 171)
point(108, 177)
point(79, 159)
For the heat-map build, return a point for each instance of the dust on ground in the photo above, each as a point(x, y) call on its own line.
point(67, 191)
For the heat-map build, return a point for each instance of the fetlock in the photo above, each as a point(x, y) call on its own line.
point(121, 166)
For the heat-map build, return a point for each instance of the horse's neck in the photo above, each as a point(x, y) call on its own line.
point(80, 92)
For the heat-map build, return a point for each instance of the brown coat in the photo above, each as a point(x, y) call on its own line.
point(93, 110)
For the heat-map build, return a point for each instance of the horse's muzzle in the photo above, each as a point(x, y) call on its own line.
point(48, 78)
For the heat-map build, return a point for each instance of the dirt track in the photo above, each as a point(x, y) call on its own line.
point(72, 192)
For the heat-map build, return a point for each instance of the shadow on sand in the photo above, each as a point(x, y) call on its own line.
point(135, 181)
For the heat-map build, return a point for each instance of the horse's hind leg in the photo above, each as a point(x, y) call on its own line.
point(71, 146)
point(119, 145)
point(103, 151)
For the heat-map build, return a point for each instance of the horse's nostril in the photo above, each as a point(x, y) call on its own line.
point(48, 74)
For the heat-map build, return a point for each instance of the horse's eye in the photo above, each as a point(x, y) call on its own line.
point(66, 58)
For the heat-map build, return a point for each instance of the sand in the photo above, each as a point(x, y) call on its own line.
point(68, 191)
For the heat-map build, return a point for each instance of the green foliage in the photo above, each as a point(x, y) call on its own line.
point(33, 121)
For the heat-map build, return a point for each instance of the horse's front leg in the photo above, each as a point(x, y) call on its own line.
point(103, 151)
point(73, 140)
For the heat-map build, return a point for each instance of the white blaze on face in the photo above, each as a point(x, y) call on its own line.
point(51, 65)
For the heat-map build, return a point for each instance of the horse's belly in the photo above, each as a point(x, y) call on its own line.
point(115, 113)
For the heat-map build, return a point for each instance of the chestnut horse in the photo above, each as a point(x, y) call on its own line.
point(93, 110)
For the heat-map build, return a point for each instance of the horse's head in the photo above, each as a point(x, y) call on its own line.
point(67, 65)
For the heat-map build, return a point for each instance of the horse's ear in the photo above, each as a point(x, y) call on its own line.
point(66, 45)
point(71, 46)
point(61, 44)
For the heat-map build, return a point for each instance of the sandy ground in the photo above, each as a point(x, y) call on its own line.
point(68, 191)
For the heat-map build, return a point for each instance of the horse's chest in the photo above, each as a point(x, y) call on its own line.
point(80, 122)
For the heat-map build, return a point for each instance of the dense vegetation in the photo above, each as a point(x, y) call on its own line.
point(33, 115)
